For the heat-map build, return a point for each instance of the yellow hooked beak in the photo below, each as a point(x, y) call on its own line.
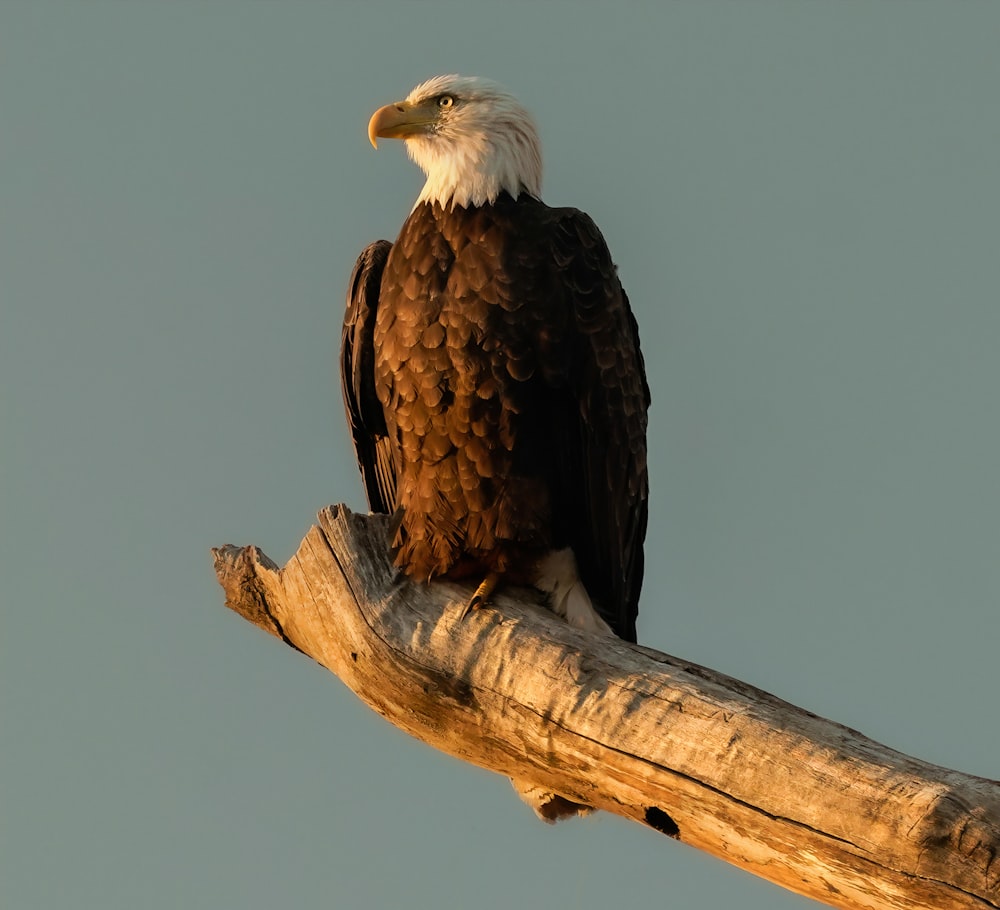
point(400, 120)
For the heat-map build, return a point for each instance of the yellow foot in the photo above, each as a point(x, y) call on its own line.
point(482, 594)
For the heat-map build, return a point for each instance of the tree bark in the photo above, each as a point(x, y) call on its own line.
point(801, 801)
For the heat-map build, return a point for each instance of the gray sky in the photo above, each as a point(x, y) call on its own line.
point(805, 205)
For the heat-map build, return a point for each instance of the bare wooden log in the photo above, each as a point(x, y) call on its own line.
point(804, 802)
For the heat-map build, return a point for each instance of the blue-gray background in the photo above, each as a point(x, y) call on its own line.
point(805, 205)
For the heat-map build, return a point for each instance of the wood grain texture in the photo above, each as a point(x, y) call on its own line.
point(802, 801)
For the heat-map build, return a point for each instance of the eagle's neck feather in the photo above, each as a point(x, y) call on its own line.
point(474, 166)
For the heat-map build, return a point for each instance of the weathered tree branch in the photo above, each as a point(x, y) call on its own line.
point(802, 801)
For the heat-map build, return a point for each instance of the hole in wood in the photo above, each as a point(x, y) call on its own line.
point(657, 818)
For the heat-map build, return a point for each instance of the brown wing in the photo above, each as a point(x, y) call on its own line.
point(599, 424)
point(357, 379)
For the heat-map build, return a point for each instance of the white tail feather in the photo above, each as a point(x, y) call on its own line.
point(558, 577)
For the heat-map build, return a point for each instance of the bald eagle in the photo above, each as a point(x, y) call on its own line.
point(492, 374)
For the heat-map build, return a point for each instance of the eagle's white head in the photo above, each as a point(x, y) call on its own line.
point(470, 137)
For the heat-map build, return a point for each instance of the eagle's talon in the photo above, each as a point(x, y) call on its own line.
point(481, 596)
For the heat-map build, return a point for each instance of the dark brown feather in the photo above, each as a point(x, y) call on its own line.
point(500, 376)
point(357, 379)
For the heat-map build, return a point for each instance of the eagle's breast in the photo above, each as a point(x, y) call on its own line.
point(456, 342)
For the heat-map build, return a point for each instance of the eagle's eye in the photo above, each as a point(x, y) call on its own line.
point(445, 102)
